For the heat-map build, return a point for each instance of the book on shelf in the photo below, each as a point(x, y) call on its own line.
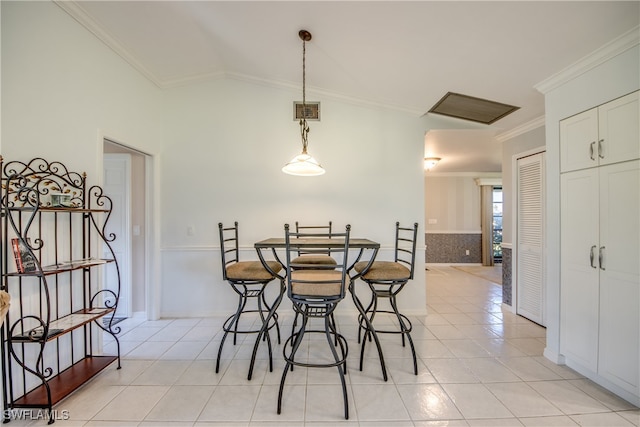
point(25, 260)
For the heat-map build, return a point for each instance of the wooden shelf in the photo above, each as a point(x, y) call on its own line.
point(49, 270)
point(65, 382)
point(65, 324)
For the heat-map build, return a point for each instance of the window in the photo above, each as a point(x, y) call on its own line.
point(497, 224)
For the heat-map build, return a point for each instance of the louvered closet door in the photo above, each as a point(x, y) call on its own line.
point(530, 266)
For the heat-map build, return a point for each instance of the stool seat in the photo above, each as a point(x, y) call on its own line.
point(316, 287)
point(383, 270)
point(314, 259)
point(252, 270)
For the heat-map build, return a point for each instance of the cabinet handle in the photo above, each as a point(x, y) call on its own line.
point(591, 151)
point(600, 148)
point(601, 257)
point(592, 256)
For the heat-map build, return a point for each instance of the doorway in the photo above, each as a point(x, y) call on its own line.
point(496, 229)
point(125, 182)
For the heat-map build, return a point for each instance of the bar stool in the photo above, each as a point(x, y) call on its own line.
point(248, 279)
point(314, 256)
point(386, 279)
point(315, 293)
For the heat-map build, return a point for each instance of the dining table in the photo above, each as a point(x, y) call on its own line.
point(363, 247)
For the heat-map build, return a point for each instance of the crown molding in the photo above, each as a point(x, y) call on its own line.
point(488, 181)
point(484, 175)
point(524, 128)
point(77, 13)
point(615, 47)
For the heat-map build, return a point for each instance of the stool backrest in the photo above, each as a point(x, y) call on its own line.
point(405, 248)
point(310, 231)
point(228, 246)
point(333, 276)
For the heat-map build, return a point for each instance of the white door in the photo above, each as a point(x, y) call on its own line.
point(579, 240)
point(117, 185)
point(530, 246)
point(619, 254)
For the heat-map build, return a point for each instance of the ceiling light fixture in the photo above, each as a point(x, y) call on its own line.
point(430, 162)
point(303, 164)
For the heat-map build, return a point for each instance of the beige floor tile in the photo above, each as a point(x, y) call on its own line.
point(149, 350)
point(528, 369)
point(568, 398)
point(632, 415)
point(162, 372)
point(465, 348)
point(231, 403)
point(555, 421)
point(448, 371)
point(181, 403)
point(522, 400)
point(428, 402)
point(490, 370)
point(324, 403)
point(92, 399)
point(132, 404)
point(609, 419)
point(184, 350)
point(476, 401)
point(293, 404)
point(379, 402)
point(199, 372)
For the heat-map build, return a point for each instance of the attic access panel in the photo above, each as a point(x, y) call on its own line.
point(470, 108)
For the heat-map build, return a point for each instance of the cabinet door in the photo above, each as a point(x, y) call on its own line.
point(579, 141)
point(578, 267)
point(619, 359)
point(619, 130)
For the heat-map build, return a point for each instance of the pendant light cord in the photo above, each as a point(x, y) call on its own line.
point(304, 127)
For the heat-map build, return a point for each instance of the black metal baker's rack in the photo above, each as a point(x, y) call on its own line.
point(59, 305)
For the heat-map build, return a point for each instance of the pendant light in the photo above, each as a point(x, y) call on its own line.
point(303, 164)
point(430, 162)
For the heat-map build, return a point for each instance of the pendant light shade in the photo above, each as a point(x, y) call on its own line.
point(430, 162)
point(303, 164)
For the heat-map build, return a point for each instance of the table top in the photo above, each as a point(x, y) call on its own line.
point(354, 242)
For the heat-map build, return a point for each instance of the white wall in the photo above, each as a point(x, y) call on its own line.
point(614, 78)
point(226, 142)
point(218, 148)
point(60, 85)
point(524, 143)
point(453, 200)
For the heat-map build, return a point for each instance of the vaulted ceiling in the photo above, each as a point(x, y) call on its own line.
point(403, 55)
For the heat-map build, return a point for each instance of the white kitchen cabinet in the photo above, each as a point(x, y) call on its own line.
point(619, 269)
point(600, 248)
point(579, 291)
point(602, 135)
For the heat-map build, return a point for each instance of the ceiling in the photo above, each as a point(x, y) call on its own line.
point(401, 55)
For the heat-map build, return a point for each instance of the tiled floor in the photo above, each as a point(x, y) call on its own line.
point(478, 366)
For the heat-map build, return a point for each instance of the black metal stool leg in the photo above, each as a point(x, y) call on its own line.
point(339, 361)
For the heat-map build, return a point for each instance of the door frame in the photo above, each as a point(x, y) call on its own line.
point(152, 253)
